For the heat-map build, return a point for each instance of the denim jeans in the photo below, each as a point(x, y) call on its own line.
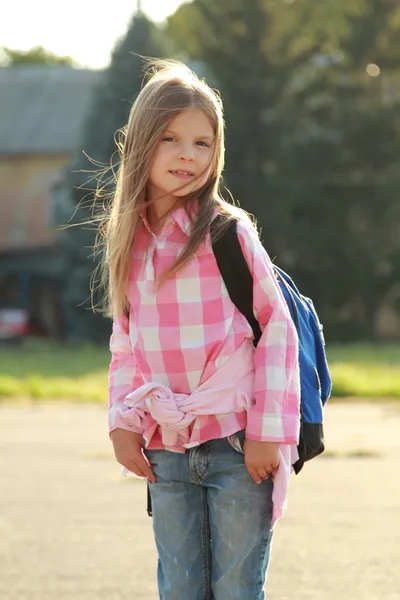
point(212, 523)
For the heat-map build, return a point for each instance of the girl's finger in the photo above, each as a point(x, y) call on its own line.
point(144, 466)
point(254, 475)
point(263, 473)
point(132, 467)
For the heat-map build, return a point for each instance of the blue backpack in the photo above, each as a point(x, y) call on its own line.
point(315, 380)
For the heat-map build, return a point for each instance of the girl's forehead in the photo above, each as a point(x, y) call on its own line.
point(193, 118)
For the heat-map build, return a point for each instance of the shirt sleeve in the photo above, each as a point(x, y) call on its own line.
point(124, 375)
point(275, 414)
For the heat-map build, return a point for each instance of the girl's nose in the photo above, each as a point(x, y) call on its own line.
point(186, 152)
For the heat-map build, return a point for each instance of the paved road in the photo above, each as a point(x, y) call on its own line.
point(72, 528)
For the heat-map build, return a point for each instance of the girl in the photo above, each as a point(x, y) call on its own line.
point(194, 408)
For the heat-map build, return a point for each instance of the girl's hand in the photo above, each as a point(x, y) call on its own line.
point(261, 459)
point(128, 452)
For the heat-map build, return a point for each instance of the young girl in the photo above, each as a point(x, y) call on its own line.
point(208, 420)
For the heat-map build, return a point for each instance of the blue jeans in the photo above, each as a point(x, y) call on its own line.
point(212, 524)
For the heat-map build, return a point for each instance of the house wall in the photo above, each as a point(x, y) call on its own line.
point(25, 183)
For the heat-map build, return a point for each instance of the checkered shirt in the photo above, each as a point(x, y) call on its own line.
point(182, 332)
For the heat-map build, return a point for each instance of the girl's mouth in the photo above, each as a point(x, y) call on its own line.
point(182, 174)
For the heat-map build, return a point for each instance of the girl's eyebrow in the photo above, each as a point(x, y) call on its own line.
point(210, 138)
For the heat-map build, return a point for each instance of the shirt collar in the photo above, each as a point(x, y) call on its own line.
point(181, 218)
point(179, 215)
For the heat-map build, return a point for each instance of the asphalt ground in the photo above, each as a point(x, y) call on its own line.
point(71, 527)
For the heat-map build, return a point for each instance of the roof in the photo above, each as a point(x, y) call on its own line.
point(43, 107)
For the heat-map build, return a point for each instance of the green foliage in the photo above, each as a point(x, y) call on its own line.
point(344, 148)
point(313, 140)
point(35, 56)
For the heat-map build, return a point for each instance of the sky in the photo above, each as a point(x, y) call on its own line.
point(86, 30)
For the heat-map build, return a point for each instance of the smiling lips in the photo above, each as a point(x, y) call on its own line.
point(181, 174)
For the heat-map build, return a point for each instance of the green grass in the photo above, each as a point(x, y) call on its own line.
point(45, 370)
point(49, 371)
point(365, 371)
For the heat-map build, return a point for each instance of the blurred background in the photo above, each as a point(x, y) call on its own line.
point(312, 100)
point(311, 91)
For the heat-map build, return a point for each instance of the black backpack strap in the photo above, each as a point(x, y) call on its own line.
point(234, 270)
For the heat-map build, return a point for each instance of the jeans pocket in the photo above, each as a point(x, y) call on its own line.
point(152, 455)
point(236, 440)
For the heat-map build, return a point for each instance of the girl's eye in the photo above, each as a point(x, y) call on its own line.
point(168, 139)
point(204, 144)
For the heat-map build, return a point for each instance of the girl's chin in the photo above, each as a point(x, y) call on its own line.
point(184, 191)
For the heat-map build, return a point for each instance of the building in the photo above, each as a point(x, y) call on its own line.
point(42, 110)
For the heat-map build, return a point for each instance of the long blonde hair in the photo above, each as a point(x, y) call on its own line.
point(171, 88)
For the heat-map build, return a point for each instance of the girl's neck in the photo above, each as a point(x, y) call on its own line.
point(157, 212)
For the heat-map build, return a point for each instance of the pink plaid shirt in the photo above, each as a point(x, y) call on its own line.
point(180, 334)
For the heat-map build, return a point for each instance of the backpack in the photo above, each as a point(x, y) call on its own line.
point(315, 380)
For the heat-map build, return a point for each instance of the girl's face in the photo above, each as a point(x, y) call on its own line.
point(184, 152)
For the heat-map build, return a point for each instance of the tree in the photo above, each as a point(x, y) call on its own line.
point(252, 49)
point(35, 56)
point(344, 144)
point(109, 112)
point(301, 112)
